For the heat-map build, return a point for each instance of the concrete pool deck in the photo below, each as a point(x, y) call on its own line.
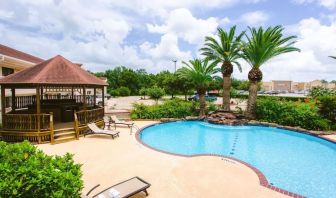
point(107, 162)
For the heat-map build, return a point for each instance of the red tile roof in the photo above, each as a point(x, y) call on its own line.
point(55, 71)
point(7, 51)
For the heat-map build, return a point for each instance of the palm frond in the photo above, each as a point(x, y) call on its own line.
point(264, 44)
point(225, 47)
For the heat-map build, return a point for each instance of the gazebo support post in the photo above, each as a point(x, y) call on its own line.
point(94, 96)
point(103, 99)
point(72, 93)
point(3, 108)
point(84, 98)
point(41, 95)
point(52, 140)
point(13, 100)
point(38, 112)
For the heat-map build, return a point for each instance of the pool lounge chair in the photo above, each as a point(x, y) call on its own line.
point(107, 122)
point(125, 189)
point(94, 129)
point(116, 121)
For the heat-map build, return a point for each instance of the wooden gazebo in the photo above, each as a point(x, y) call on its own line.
point(58, 96)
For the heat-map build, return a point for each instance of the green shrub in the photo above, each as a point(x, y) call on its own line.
point(327, 108)
point(143, 92)
point(26, 171)
point(176, 108)
point(320, 91)
point(282, 98)
point(303, 114)
point(155, 92)
point(114, 92)
point(124, 91)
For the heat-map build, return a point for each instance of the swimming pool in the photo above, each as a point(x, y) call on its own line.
point(296, 162)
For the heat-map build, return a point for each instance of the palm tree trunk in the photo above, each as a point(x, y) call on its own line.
point(226, 93)
point(202, 103)
point(252, 100)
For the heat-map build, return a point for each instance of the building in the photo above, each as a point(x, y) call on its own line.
point(277, 85)
point(12, 60)
point(290, 86)
point(266, 86)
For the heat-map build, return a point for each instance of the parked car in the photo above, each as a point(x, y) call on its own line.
point(207, 98)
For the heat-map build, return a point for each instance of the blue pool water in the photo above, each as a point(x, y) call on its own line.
point(296, 162)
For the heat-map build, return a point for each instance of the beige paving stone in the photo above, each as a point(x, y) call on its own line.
point(107, 162)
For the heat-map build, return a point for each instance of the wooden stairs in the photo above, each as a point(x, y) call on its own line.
point(64, 135)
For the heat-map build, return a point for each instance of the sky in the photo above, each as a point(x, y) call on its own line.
point(149, 34)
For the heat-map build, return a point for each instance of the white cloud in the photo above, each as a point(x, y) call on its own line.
point(6, 14)
point(162, 8)
point(254, 18)
point(315, 42)
point(330, 4)
point(182, 23)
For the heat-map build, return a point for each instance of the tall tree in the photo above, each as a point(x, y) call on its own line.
point(261, 46)
point(201, 73)
point(226, 49)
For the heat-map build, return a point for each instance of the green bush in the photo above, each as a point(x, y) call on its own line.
point(282, 98)
point(124, 91)
point(327, 108)
point(26, 171)
point(303, 114)
point(176, 108)
point(114, 92)
point(143, 92)
point(320, 91)
point(155, 92)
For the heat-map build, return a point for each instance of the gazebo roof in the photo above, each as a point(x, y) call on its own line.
point(55, 71)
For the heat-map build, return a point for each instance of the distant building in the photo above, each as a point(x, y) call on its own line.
point(12, 60)
point(277, 85)
point(266, 86)
point(290, 86)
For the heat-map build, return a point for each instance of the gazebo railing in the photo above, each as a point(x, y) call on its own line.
point(19, 127)
point(26, 122)
point(82, 118)
point(87, 116)
point(24, 101)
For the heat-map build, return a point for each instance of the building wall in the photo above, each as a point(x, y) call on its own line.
point(266, 86)
point(282, 85)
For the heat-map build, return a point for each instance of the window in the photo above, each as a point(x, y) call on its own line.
point(6, 71)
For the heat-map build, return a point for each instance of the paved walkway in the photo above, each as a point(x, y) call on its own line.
point(107, 162)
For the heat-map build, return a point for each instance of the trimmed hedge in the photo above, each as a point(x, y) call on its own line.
point(284, 98)
point(303, 114)
point(176, 108)
point(26, 171)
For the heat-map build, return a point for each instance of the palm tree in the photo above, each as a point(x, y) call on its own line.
point(263, 45)
point(225, 49)
point(201, 73)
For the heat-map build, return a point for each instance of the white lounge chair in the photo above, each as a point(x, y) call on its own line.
point(126, 189)
point(116, 121)
point(94, 129)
